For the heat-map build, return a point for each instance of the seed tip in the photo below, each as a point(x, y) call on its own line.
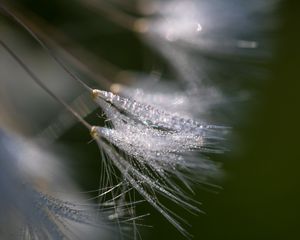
point(95, 93)
point(94, 132)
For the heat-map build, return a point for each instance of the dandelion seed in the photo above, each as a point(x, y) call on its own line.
point(158, 146)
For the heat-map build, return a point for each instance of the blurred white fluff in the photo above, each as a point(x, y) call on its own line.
point(211, 44)
point(158, 146)
point(28, 211)
point(216, 26)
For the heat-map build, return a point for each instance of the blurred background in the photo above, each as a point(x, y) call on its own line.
point(108, 43)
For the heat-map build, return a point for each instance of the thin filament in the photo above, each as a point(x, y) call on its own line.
point(45, 47)
point(43, 86)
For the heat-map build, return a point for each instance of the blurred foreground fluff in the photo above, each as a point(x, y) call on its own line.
point(160, 130)
point(28, 176)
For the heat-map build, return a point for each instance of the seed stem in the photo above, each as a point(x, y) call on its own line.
point(44, 46)
point(43, 86)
